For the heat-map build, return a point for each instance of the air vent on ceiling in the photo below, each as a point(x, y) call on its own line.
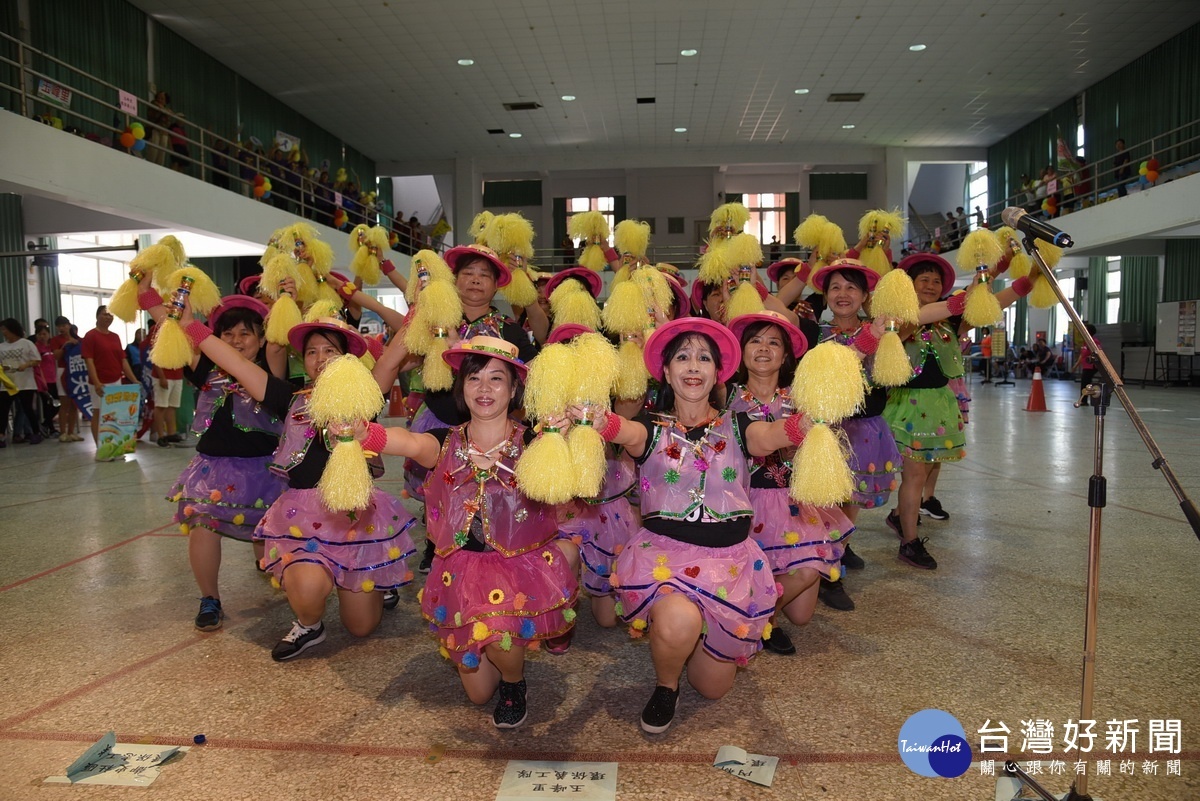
point(645, 101)
point(495, 130)
point(526, 106)
point(845, 97)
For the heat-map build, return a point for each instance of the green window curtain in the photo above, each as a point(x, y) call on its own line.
point(1181, 270)
point(386, 201)
point(791, 215)
point(1139, 293)
point(9, 23)
point(49, 292)
point(733, 197)
point(558, 214)
point(1029, 150)
point(103, 38)
point(1097, 306)
point(1020, 336)
point(619, 209)
point(14, 299)
point(837, 186)
point(222, 270)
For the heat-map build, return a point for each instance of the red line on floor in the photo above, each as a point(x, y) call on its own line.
point(503, 755)
point(115, 545)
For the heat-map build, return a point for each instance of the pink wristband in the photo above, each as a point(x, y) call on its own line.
point(611, 255)
point(387, 267)
point(197, 332)
point(1004, 263)
point(376, 438)
point(791, 427)
point(149, 299)
point(866, 341)
point(956, 303)
point(612, 427)
point(1022, 286)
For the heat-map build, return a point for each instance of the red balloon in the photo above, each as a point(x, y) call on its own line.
point(127, 140)
point(258, 180)
point(1152, 165)
point(258, 191)
point(1151, 176)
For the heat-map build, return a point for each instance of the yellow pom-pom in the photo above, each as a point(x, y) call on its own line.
point(979, 248)
point(571, 303)
point(590, 226)
point(744, 300)
point(728, 219)
point(820, 473)
point(592, 257)
point(346, 481)
point(440, 305)
point(544, 470)
point(344, 391)
point(632, 237)
point(808, 233)
point(632, 378)
point(835, 573)
point(172, 348)
point(829, 384)
point(587, 459)
point(876, 259)
point(550, 385)
point(435, 373)
point(832, 243)
point(160, 260)
point(479, 631)
point(894, 296)
point(427, 268)
point(880, 221)
point(982, 309)
point(1051, 254)
point(599, 356)
point(283, 317)
point(124, 303)
point(479, 226)
point(520, 291)
point(366, 266)
point(1042, 296)
point(625, 311)
point(713, 267)
point(512, 235)
point(1020, 266)
point(892, 367)
point(204, 295)
point(656, 291)
point(741, 250)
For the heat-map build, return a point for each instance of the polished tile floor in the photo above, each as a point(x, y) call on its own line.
point(97, 602)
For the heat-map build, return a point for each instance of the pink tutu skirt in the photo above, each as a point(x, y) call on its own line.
point(474, 598)
point(601, 531)
point(225, 494)
point(733, 587)
point(874, 460)
point(363, 550)
point(799, 535)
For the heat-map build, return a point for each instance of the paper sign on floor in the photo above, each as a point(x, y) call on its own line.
point(583, 781)
point(755, 768)
point(122, 764)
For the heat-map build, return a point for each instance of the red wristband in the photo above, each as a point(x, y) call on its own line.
point(866, 341)
point(347, 290)
point(198, 332)
point(1022, 286)
point(387, 267)
point(611, 255)
point(376, 438)
point(149, 299)
point(956, 303)
point(612, 427)
point(791, 427)
point(1004, 263)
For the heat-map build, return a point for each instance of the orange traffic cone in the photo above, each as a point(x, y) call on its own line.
point(1037, 393)
point(396, 401)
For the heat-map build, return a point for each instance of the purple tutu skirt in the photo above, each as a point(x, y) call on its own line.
point(796, 535)
point(874, 460)
point(733, 587)
point(601, 531)
point(363, 550)
point(414, 474)
point(225, 494)
point(474, 598)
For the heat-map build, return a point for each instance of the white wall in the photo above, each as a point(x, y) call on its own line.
point(415, 194)
point(938, 188)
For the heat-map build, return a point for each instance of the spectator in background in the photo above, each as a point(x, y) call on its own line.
point(1122, 171)
point(133, 352)
point(951, 237)
point(19, 358)
point(68, 413)
point(247, 167)
point(979, 221)
point(775, 250)
point(1041, 357)
point(568, 250)
point(159, 115)
point(106, 363)
point(168, 393)
point(964, 225)
point(181, 154)
point(220, 164)
point(47, 380)
point(416, 232)
point(1087, 364)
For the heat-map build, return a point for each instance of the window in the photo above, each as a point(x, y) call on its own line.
point(87, 281)
point(977, 186)
point(1061, 322)
point(1112, 290)
point(767, 216)
point(604, 205)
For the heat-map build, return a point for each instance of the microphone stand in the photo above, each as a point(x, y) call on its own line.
point(1097, 492)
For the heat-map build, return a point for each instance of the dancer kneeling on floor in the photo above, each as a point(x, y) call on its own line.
point(501, 579)
point(692, 574)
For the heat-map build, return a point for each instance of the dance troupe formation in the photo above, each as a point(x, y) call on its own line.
point(695, 461)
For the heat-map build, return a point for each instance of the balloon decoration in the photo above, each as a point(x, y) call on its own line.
point(138, 130)
point(127, 139)
point(1050, 206)
point(339, 217)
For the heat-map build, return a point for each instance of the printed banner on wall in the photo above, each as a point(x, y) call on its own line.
point(119, 420)
point(1185, 338)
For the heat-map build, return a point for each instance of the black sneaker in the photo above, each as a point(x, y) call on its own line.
point(833, 595)
point(660, 710)
point(391, 598)
point(510, 711)
point(851, 560)
point(932, 507)
point(163, 442)
point(426, 560)
point(778, 643)
point(915, 554)
point(297, 641)
point(893, 522)
point(209, 617)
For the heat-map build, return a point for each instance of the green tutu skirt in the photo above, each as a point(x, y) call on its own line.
point(927, 424)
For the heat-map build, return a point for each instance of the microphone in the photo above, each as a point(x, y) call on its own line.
point(1039, 229)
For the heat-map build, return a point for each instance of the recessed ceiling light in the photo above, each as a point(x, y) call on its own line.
point(844, 128)
point(515, 135)
point(801, 91)
point(568, 98)
point(917, 48)
point(466, 62)
point(688, 52)
point(681, 130)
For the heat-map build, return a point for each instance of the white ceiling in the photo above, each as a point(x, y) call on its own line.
point(382, 74)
